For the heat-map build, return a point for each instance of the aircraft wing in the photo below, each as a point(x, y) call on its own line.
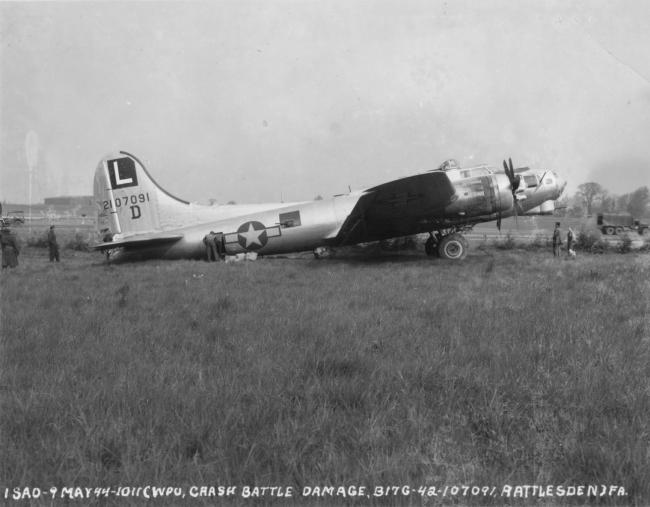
point(139, 240)
point(393, 208)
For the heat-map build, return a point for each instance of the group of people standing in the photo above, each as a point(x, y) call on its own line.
point(557, 241)
point(10, 249)
point(214, 249)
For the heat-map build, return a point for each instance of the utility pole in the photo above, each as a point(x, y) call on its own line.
point(31, 152)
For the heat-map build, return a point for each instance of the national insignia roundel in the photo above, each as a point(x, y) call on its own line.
point(252, 235)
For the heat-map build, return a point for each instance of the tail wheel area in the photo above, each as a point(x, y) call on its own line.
point(322, 252)
point(453, 247)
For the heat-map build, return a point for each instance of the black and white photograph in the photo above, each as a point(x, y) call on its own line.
point(314, 252)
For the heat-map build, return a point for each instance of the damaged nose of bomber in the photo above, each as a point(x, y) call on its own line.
point(560, 184)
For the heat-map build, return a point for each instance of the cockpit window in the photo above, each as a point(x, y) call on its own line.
point(530, 180)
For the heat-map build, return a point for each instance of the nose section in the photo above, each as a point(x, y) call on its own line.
point(560, 183)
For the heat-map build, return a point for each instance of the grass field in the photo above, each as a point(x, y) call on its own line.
point(508, 368)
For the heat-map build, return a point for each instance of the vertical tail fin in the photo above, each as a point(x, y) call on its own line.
point(129, 201)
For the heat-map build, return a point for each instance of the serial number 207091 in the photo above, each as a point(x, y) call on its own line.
point(126, 200)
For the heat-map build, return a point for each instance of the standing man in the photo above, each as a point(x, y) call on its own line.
point(210, 247)
point(10, 249)
point(570, 237)
point(557, 239)
point(207, 239)
point(218, 244)
point(53, 245)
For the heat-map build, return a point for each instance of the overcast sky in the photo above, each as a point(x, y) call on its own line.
point(253, 101)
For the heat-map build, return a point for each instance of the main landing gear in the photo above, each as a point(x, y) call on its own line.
point(450, 245)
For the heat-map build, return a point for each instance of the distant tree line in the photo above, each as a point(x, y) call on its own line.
point(591, 198)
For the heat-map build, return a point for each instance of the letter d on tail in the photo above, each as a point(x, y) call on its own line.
point(135, 212)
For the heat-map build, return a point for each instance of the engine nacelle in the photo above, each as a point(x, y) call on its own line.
point(481, 195)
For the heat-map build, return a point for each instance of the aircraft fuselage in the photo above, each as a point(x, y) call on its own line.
point(143, 220)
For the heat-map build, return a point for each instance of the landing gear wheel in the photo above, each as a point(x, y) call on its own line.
point(453, 247)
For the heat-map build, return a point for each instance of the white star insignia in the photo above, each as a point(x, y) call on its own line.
point(252, 236)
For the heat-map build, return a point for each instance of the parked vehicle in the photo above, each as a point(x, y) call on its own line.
point(618, 223)
point(13, 218)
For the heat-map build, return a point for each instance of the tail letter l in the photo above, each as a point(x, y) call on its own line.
point(122, 173)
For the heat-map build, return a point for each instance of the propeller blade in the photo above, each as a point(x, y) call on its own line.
point(510, 173)
point(514, 179)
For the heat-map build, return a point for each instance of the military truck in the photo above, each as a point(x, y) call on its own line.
point(13, 218)
point(618, 223)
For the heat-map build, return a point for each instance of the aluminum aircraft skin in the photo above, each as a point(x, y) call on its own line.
point(137, 219)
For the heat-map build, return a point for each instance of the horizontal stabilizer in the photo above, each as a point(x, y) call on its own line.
point(142, 240)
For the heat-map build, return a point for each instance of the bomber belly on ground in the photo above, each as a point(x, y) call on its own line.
point(294, 228)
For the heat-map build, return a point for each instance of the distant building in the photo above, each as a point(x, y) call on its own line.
point(79, 208)
point(76, 200)
point(69, 206)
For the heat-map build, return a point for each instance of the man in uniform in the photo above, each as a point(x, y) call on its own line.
point(557, 239)
point(218, 244)
point(53, 245)
point(10, 249)
point(210, 247)
point(570, 238)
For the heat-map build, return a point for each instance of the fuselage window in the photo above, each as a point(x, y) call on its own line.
point(290, 219)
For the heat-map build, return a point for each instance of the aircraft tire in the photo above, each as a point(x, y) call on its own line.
point(453, 247)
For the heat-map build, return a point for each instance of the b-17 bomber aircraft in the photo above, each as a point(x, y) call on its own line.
point(137, 219)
